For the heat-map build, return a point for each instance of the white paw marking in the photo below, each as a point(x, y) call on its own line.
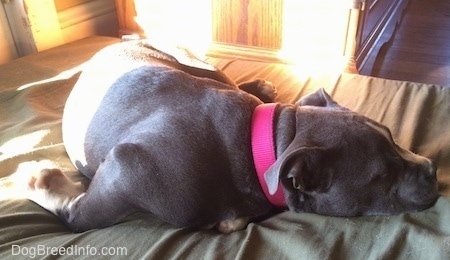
point(53, 190)
point(231, 225)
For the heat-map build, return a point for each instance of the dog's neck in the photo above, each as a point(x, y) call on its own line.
point(264, 148)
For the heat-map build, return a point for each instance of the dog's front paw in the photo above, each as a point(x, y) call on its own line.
point(53, 190)
point(267, 91)
point(231, 225)
point(263, 89)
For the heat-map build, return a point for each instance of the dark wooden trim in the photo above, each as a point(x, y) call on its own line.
point(367, 52)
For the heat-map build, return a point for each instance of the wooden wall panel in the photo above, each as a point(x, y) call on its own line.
point(88, 17)
point(44, 23)
point(255, 23)
point(64, 4)
point(8, 49)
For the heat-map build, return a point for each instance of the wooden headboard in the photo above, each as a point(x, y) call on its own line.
point(303, 31)
point(249, 23)
point(250, 29)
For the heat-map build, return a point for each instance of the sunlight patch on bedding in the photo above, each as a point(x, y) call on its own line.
point(21, 144)
point(15, 185)
point(63, 75)
point(322, 78)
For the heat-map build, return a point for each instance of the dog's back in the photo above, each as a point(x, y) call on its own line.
point(103, 70)
point(160, 107)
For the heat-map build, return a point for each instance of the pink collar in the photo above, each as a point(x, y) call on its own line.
point(263, 148)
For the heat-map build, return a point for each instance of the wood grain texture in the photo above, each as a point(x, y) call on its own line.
point(379, 19)
point(420, 49)
point(64, 4)
point(248, 22)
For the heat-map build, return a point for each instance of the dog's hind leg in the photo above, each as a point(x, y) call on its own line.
point(104, 203)
point(53, 190)
point(262, 89)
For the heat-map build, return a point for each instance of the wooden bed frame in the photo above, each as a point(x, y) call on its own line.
point(253, 29)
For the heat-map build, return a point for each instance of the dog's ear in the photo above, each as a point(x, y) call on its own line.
point(303, 168)
point(320, 98)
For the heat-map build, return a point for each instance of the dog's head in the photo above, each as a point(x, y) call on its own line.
point(341, 163)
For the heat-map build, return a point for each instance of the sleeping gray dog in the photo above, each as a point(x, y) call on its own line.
point(173, 136)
